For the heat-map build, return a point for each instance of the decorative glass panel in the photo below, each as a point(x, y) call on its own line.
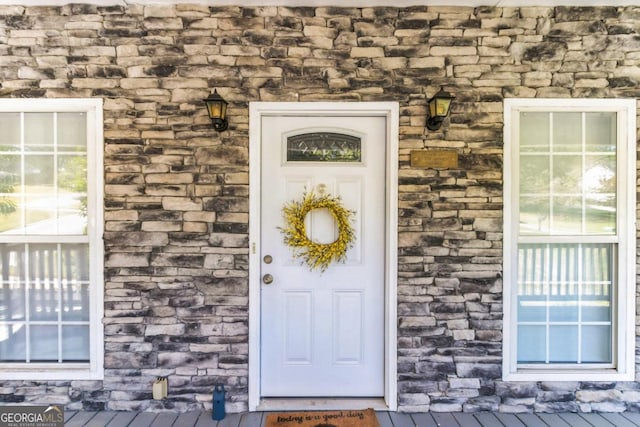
point(324, 147)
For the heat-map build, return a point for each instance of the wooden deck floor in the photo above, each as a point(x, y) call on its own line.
point(387, 419)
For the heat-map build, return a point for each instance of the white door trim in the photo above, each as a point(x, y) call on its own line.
point(390, 111)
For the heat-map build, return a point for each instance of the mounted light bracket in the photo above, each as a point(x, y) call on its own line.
point(439, 107)
point(217, 110)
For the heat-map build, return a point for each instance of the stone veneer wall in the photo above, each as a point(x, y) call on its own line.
point(176, 192)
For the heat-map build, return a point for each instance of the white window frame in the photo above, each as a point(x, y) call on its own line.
point(623, 325)
point(94, 369)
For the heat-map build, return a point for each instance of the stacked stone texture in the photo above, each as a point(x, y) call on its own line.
point(176, 192)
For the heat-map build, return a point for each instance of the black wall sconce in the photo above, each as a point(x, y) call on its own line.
point(439, 107)
point(217, 110)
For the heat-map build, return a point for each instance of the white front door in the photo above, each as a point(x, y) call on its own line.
point(322, 334)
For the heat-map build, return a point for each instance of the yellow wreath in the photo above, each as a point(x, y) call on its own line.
point(317, 255)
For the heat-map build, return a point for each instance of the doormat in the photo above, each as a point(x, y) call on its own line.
point(366, 418)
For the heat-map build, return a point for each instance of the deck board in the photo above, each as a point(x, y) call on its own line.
point(68, 415)
point(488, 419)
point(597, 420)
point(252, 419)
point(575, 420)
point(187, 418)
point(531, 420)
point(553, 420)
point(386, 419)
point(617, 420)
point(164, 419)
point(231, 420)
point(424, 420)
point(143, 419)
point(445, 419)
point(509, 420)
point(401, 420)
point(205, 420)
point(466, 420)
point(101, 419)
point(80, 419)
point(632, 416)
point(122, 419)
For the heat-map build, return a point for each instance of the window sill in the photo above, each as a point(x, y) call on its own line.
point(568, 375)
point(49, 372)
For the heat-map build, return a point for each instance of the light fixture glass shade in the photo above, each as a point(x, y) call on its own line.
point(217, 110)
point(439, 107)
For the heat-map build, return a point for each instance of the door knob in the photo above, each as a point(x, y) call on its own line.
point(267, 279)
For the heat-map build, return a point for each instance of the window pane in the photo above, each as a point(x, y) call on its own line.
point(601, 132)
point(534, 215)
point(44, 287)
point(40, 201)
point(38, 173)
point(600, 214)
point(38, 131)
point(50, 209)
point(567, 132)
point(600, 174)
point(562, 289)
point(13, 343)
point(10, 135)
point(578, 176)
point(324, 147)
point(532, 308)
point(567, 215)
point(44, 343)
point(532, 284)
point(75, 343)
point(531, 344)
point(567, 174)
point(75, 279)
point(598, 281)
point(72, 131)
point(596, 344)
point(534, 174)
point(12, 289)
point(72, 194)
point(563, 344)
point(10, 209)
point(534, 132)
point(600, 183)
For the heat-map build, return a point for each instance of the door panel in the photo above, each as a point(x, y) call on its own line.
point(323, 333)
